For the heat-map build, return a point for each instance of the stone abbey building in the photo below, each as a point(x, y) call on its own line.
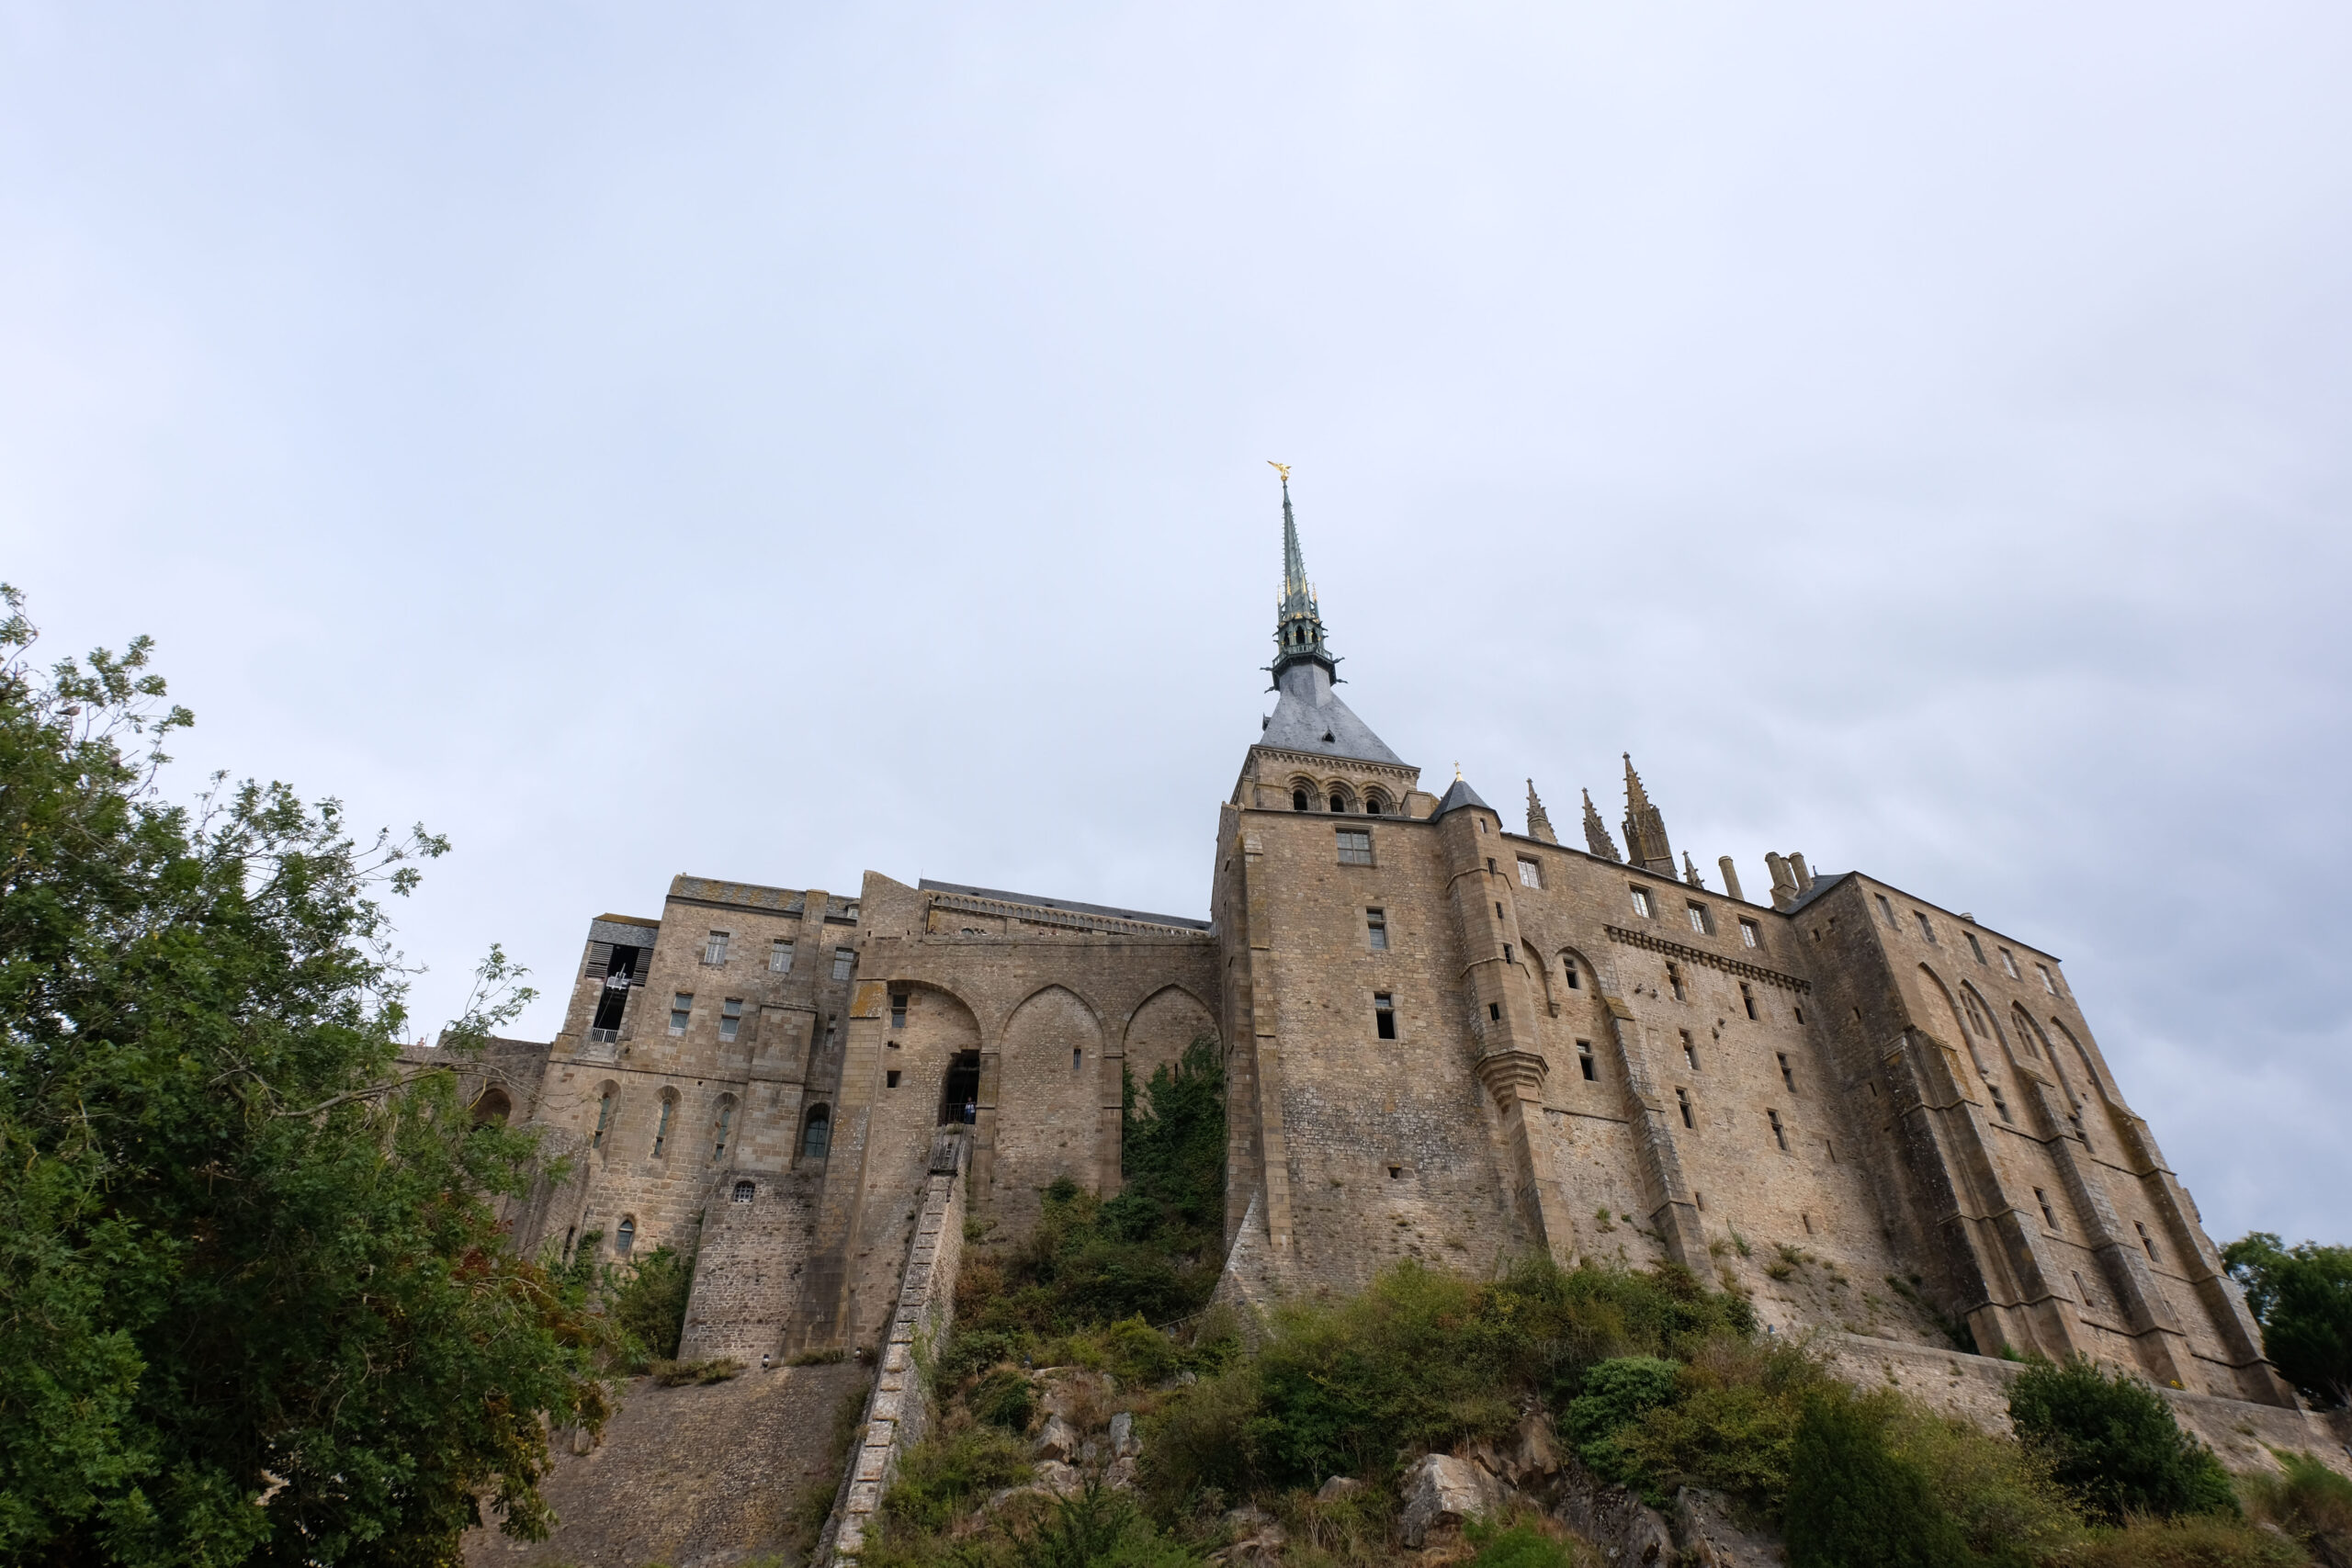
point(1445, 1038)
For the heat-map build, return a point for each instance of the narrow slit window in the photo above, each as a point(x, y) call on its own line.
point(2047, 1218)
point(726, 1115)
point(1674, 978)
point(1506, 953)
point(661, 1125)
point(731, 1017)
point(1887, 909)
point(1780, 1133)
point(2147, 1241)
point(2010, 963)
point(780, 957)
point(1355, 846)
point(1748, 933)
point(682, 1009)
point(1690, 1051)
point(1682, 1100)
point(714, 951)
point(1585, 1064)
point(1926, 928)
point(1077, 1058)
point(604, 1119)
point(1568, 967)
point(1974, 946)
point(1999, 1104)
point(1375, 926)
point(1499, 909)
point(2048, 982)
point(1748, 997)
point(1788, 1078)
point(844, 959)
point(1383, 1015)
point(1493, 1012)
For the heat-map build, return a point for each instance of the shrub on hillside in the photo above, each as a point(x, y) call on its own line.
point(2308, 1502)
point(2111, 1441)
point(1852, 1501)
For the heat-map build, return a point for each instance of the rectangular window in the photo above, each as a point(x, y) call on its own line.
point(1748, 997)
point(1974, 946)
point(1355, 846)
point(1585, 1063)
point(1690, 1051)
point(681, 1007)
point(2010, 963)
point(1674, 978)
point(2047, 1218)
point(2147, 1241)
point(2047, 983)
point(731, 1017)
point(1999, 1104)
point(1925, 929)
point(1642, 903)
point(1780, 1133)
point(1529, 873)
point(780, 957)
point(715, 950)
point(1077, 1058)
point(1375, 928)
point(1702, 919)
point(890, 1078)
point(843, 959)
point(1506, 953)
point(1383, 1015)
point(1682, 1099)
point(1887, 909)
point(1569, 964)
point(1748, 933)
point(1788, 1078)
point(1493, 1012)
point(898, 1010)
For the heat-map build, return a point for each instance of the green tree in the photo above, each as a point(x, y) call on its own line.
point(2303, 1297)
point(2112, 1440)
point(1852, 1502)
point(254, 1306)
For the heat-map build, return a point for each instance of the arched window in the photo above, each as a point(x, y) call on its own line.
point(1339, 801)
point(726, 1117)
point(817, 1136)
point(494, 1106)
point(1373, 806)
point(625, 1238)
point(745, 1191)
point(604, 1098)
point(662, 1127)
point(1298, 800)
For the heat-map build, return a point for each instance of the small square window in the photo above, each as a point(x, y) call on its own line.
point(1585, 1063)
point(1355, 846)
point(890, 1078)
point(844, 959)
point(681, 1007)
point(731, 1017)
point(2010, 963)
point(1375, 926)
point(1383, 1015)
point(1974, 946)
point(1925, 929)
point(714, 951)
point(745, 1191)
point(780, 957)
point(1642, 902)
point(2048, 982)
point(1529, 873)
point(1747, 934)
point(1702, 919)
point(1886, 909)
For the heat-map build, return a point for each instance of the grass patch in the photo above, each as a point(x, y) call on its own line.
point(678, 1374)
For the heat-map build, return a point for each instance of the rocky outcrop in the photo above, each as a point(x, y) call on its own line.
point(1445, 1493)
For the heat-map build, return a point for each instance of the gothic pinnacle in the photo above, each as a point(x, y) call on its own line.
point(1539, 826)
point(1596, 832)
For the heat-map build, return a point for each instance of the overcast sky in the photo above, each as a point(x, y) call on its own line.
point(772, 442)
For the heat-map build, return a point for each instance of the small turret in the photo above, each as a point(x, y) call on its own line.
point(1645, 843)
point(1539, 826)
point(1596, 832)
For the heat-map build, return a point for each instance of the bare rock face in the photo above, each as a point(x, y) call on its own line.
point(1059, 1441)
point(1338, 1486)
point(1258, 1540)
point(1441, 1491)
point(1059, 1479)
point(1711, 1540)
point(1125, 1444)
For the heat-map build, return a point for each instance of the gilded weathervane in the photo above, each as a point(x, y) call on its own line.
point(1281, 468)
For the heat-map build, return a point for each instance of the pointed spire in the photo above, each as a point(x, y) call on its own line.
point(1596, 832)
point(1299, 622)
point(1691, 873)
point(1645, 843)
point(1539, 826)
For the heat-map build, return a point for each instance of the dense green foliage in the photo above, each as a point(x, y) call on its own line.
point(2303, 1297)
point(254, 1303)
point(2112, 1440)
point(1853, 1501)
point(646, 1301)
point(2311, 1504)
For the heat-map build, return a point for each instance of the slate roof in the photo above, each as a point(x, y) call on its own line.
point(927, 886)
point(1459, 796)
point(1309, 717)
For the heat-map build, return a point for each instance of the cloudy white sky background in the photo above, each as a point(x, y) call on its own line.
point(769, 442)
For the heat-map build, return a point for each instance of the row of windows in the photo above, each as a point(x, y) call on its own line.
point(780, 955)
point(607, 1101)
point(1928, 933)
point(1307, 796)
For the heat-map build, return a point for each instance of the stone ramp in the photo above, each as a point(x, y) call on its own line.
point(694, 1477)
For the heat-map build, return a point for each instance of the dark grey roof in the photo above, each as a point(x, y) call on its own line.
point(928, 885)
point(1309, 717)
point(1459, 796)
